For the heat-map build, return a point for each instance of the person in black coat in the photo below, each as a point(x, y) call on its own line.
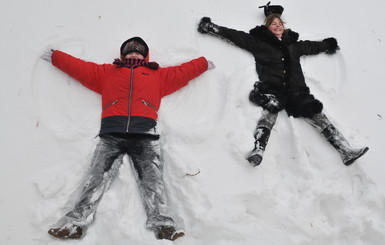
point(281, 84)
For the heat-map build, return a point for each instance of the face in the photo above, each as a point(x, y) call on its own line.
point(134, 55)
point(276, 27)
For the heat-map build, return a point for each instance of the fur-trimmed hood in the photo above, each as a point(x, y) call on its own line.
point(262, 32)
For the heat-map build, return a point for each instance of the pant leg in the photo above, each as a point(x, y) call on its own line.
point(145, 155)
point(267, 119)
point(106, 161)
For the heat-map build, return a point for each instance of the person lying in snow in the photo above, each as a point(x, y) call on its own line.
point(277, 53)
point(131, 89)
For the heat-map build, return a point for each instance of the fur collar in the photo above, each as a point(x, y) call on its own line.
point(261, 32)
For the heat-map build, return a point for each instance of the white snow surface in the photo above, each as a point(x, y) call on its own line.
point(301, 193)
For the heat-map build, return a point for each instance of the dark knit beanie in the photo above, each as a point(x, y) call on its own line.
point(135, 44)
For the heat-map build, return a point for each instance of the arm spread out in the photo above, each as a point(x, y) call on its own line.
point(176, 77)
point(238, 38)
point(87, 73)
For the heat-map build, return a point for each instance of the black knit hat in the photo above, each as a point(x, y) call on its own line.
point(135, 44)
point(272, 9)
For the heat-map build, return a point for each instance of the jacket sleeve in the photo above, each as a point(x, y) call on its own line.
point(175, 77)
point(311, 47)
point(239, 38)
point(87, 73)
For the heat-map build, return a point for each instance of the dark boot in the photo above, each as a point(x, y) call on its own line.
point(261, 135)
point(168, 232)
point(336, 139)
point(68, 231)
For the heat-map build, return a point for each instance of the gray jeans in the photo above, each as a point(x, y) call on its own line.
point(144, 152)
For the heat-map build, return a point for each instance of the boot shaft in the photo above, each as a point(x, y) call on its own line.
point(262, 135)
point(336, 139)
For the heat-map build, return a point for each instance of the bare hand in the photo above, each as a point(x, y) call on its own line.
point(47, 55)
point(210, 65)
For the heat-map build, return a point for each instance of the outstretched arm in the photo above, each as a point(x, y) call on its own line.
point(328, 45)
point(87, 73)
point(176, 77)
point(239, 38)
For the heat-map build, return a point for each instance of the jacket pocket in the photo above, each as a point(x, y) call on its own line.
point(110, 104)
point(150, 105)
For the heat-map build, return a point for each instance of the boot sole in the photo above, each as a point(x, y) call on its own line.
point(255, 160)
point(64, 235)
point(360, 155)
point(176, 235)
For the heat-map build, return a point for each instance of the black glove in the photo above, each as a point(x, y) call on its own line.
point(331, 45)
point(206, 26)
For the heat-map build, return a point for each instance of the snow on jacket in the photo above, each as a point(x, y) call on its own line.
point(131, 97)
point(278, 66)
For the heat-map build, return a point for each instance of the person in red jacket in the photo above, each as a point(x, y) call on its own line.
point(131, 90)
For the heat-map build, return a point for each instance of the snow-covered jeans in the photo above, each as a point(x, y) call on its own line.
point(144, 152)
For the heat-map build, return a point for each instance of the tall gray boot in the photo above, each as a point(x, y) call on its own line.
point(336, 139)
point(262, 135)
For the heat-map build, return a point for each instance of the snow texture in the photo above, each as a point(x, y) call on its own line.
point(301, 193)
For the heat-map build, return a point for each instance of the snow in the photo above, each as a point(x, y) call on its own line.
point(300, 194)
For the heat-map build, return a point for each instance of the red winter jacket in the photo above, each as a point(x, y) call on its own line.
point(130, 97)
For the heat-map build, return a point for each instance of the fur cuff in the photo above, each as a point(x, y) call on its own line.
point(303, 104)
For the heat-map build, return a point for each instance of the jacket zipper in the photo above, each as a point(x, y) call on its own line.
point(130, 99)
point(150, 105)
point(110, 104)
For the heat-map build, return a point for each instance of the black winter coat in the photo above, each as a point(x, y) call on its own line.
point(279, 69)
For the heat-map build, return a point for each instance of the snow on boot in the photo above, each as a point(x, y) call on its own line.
point(335, 138)
point(168, 232)
point(255, 158)
point(68, 231)
point(264, 126)
point(262, 135)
